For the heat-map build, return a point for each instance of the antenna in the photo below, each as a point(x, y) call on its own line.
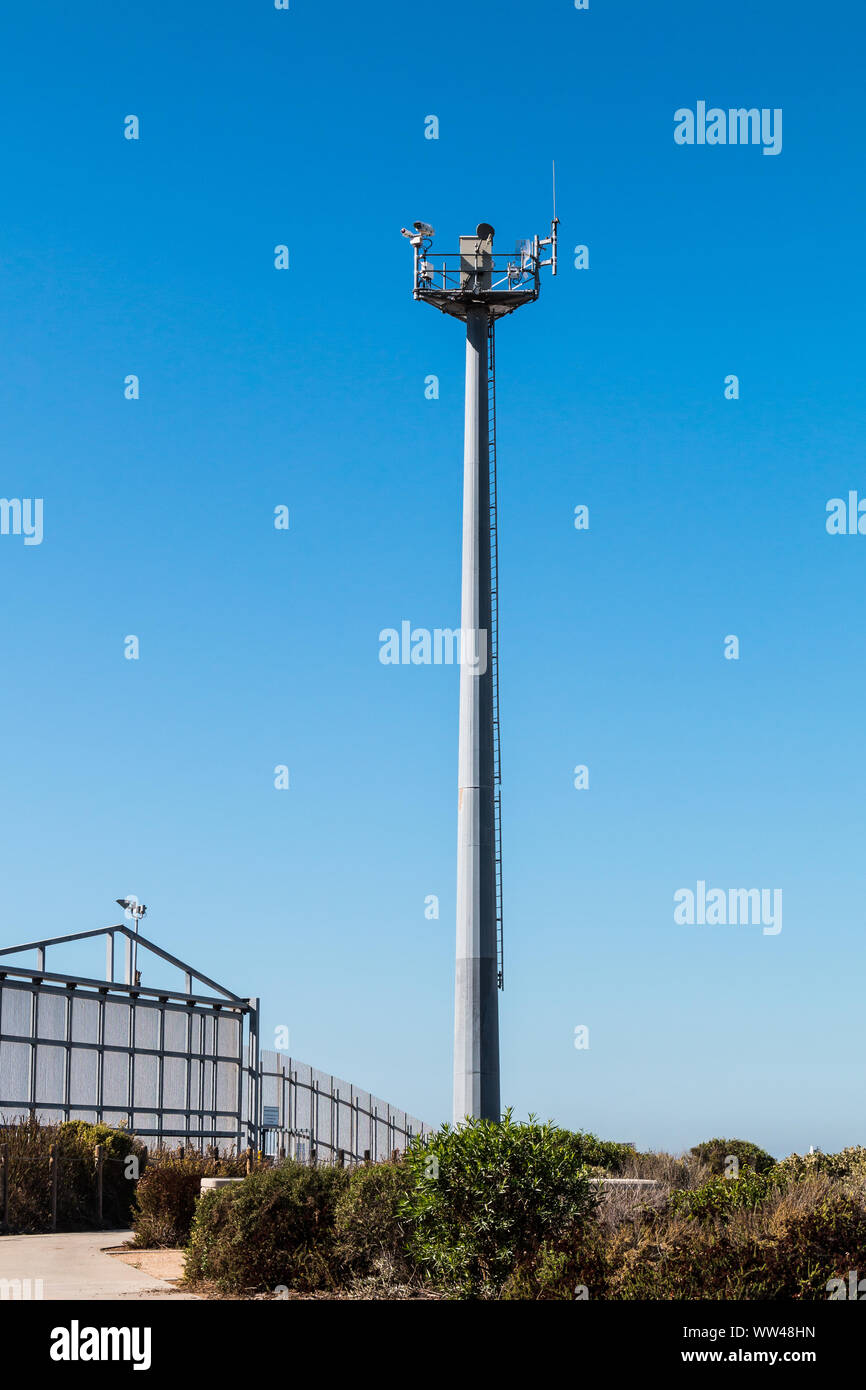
point(554, 224)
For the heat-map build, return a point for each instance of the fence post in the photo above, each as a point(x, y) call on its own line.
point(4, 1186)
point(100, 1159)
point(341, 1158)
point(52, 1178)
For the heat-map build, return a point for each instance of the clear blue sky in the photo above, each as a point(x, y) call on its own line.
point(306, 387)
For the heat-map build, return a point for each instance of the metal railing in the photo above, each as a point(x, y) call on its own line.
point(454, 272)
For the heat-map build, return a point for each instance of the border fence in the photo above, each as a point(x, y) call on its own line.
point(307, 1114)
point(174, 1066)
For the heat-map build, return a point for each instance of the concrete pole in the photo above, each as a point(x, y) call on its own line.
point(476, 1003)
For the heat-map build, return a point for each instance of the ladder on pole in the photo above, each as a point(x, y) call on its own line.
point(494, 644)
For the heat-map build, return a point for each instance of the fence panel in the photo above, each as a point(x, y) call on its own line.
point(173, 1066)
point(321, 1115)
point(167, 1069)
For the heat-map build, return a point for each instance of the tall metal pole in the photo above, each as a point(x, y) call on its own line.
point(479, 292)
point(476, 1003)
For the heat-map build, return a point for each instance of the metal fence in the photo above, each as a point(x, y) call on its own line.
point(169, 1064)
point(174, 1066)
point(308, 1114)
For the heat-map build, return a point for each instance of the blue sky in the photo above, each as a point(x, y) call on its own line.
point(306, 388)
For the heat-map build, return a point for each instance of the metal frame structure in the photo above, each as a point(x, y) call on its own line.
point(121, 1052)
point(476, 275)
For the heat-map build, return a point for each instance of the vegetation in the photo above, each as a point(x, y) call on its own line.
point(720, 1197)
point(787, 1247)
point(718, 1153)
point(29, 1145)
point(167, 1193)
point(275, 1229)
point(371, 1227)
point(484, 1210)
point(848, 1163)
point(484, 1197)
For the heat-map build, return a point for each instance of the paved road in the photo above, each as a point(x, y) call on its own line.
point(74, 1265)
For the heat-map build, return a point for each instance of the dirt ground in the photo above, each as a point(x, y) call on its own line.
point(168, 1266)
point(159, 1264)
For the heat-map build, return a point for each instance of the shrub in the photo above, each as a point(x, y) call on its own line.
point(574, 1270)
point(715, 1153)
point(848, 1163)
point(119, 1176)
point(719, 1196)
point(167, 1192)
point(276, 1227)
point(29, 1144)
point(603, 1155)
point(665, 1169)
point(485, 1196)
point(788, 1248)
point(370, 1230)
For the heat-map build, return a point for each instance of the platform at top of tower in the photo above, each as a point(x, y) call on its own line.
point(459, 303)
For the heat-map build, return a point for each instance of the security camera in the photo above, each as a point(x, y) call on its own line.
point(423, 231)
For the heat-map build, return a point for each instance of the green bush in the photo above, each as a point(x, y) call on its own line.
point(119, 1175)
point(848, 1163)
point(715, 1153)
point(277, 1227)
point(29, 1144)
point(370, 1230)
point(575, 1270)
point(602, 1155)
point(167, 1193)
point(787, 1249)
point(485, 1196)
point(720, 1196)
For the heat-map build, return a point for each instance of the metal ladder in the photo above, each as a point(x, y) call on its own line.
point(494, 646)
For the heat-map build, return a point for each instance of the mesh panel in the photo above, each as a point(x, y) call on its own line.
point(52, 1016)
point(83, 1073)
point(85, 1020)
point(146, 1025)
point(16, 1073)
point(16, 1010)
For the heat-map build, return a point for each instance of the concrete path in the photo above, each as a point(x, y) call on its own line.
point(75, 1265)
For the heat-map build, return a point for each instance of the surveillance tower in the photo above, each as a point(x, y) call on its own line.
point(479, 287)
